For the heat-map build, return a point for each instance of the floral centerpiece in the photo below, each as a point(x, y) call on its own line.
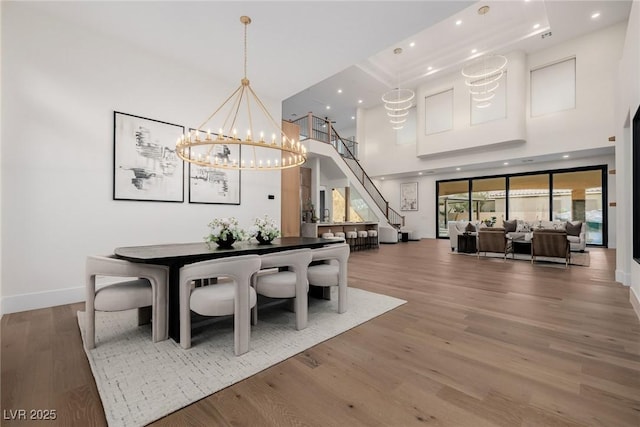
point(224, 232)
point(264, 230)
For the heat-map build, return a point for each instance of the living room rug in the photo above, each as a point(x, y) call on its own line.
point(140, 382)
point(577, 258)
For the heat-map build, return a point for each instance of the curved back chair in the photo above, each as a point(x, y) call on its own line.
point(149, 290)
point(290, 281)
point(492, 240)
point(330, 269)
point(550, 243)
point(234, 296)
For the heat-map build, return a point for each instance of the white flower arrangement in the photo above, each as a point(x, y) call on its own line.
point(266, 227)
point(223, 229)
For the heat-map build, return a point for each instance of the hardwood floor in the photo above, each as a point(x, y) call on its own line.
point(480, 343)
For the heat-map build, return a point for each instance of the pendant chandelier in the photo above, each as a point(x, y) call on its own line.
point(397, 102)
point(483, 74)
point(226, 149)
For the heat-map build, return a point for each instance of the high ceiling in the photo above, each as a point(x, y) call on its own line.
point(445, 46)
point(304, 51)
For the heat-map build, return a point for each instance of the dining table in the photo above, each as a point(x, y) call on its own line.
point(176, 255)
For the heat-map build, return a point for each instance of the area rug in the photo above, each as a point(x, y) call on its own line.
point(140, 382)
point(577, 258)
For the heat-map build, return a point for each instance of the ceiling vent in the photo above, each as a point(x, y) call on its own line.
point(527, 160)
point(545, 35)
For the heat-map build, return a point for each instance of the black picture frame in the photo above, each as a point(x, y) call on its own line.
point(146, 166)
point(215, 186)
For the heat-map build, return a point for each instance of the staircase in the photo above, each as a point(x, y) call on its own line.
point(318, 129)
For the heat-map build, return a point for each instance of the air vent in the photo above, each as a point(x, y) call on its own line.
point(430, 172)
point(527, 161)
point(545, 35)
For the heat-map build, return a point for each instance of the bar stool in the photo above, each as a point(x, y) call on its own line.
point(372, 239)
point(352, 237)
point(327, 235)
point(362, 239)
point(340, 235)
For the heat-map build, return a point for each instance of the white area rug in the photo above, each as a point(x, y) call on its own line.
point(140, 382)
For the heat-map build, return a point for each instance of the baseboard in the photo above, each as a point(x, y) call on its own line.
point(635, 302)
point(35, 300)
point(622, 277)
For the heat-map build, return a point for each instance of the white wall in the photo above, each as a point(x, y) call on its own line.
point(588, 126)
point(61, 84)
point(628, 101)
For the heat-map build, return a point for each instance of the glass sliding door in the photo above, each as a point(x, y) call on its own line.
point(488, 200)
point(577, 196)
point(529, 197)
point(453, 203)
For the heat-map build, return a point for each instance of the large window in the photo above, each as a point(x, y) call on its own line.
point(577, 194)
point(488, 200)
point(529, 197)
point(453, 203)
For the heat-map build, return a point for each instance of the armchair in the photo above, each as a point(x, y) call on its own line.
point(550, 243)
point(492, 240)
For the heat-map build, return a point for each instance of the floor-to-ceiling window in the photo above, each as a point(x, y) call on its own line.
point(529, 197)
point(577, 194)
point(488, 200)
point(453, 203)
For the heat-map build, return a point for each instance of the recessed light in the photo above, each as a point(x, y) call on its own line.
point(595, 15)
point(566, 156)
point(457, 169)
point(382, 178)
point(535, 27)
point(419, 173)
point(505, 163)
point(339, 90)
point(353, 117)
point(459, 22)
point(328, 107)
point(474, 50)
point(429, 68)
point(412, 44)
point(359, 101)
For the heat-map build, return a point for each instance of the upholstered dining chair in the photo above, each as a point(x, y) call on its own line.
point(284, 275)
point(150, 289)
point(231, 295)
point(329, 268)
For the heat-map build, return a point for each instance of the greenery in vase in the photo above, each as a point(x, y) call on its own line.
point(266, 227)
point(222, 229)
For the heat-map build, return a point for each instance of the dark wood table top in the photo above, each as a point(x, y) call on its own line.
point(194, 252)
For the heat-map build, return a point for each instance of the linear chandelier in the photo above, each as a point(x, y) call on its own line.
point(397, 102)
point(226, 149)
point(482, 74)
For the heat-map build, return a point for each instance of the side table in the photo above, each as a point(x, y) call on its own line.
point(467, 243)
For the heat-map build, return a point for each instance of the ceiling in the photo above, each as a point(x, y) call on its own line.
point(508, 26)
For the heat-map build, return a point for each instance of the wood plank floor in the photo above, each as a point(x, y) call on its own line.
point(480, 343)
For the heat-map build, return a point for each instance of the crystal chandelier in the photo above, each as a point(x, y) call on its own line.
point(482, 74)
point(397, 102)
point(216, 150)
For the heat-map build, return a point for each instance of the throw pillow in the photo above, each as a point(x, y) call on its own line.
point(470, 228)
point(573, 229)
point(523, 227)
point(510, 226)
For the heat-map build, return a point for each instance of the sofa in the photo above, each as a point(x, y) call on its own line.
point(519, 230)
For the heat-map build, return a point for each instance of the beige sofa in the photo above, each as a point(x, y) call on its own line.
point(522, 232)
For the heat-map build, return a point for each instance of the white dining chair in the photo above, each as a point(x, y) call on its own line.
point(149, 289)
point(231, 295)
point(329, 268)
point(284, 275)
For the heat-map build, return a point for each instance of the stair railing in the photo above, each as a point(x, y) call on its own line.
point(312, 127)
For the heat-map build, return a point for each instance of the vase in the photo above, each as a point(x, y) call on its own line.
point(226, 243)
point(263, 240)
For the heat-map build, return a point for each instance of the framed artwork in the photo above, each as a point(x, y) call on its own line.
point(215, 186)
point(409, 196)
point(145, 164)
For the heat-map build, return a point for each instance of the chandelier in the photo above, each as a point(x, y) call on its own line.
point(397, 102)
point(482, 74)
point(226, 149)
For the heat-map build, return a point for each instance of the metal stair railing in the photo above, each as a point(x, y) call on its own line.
point(312, 127)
